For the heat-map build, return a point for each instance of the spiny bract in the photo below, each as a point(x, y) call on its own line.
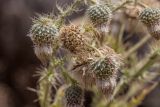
point(43, 31)
point(99, 14)
point(74, 96)
point(150, 15)
point(103, 68)
point(72, 38)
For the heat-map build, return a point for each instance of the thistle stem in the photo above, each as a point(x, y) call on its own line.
point(69, 11)
point(145, 64)
point(44, 90)
point(119, 38)
point(101, 55)
point(46, 93)
point(142, 4)
point(121, 5)
point(68, 77)
point(137, 46)
point(45, 84)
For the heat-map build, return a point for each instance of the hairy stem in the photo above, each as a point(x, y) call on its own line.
point(44, 89)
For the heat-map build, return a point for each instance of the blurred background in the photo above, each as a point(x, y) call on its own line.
point(18, 62)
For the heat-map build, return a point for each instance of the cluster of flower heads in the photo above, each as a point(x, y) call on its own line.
point(97, 66)
point(92, 66)
point(88, 61)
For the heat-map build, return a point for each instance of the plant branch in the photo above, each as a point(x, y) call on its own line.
point(44, 89)
point(121, 5)
point(69, 11)
point(137, 46)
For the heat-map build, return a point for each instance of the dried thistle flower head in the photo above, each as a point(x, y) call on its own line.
point(72, 39)
point(73, 96)
point(43, 34)
point(83, 70)
point(151, 18)
point(100, 15)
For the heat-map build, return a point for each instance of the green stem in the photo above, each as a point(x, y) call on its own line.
point(137, 46)
point(99, 52)
point(68, 77)
point(44, 91)
point(121, 5)
point(45, 84)
point(146, 64)
point(142, 4)
point(119, 38)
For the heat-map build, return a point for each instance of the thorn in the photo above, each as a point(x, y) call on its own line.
point(32, 89)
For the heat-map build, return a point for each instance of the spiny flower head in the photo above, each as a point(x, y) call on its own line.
point(86, 68)
point(151, 18)
point(72, 38)
point(103, 68)
point(105, 71)
point(43, 34)
point(150, 15)
point(74, 96)
point(99, 14)
point(43, 31)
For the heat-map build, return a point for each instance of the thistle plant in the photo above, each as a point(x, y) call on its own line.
point(102, 69)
